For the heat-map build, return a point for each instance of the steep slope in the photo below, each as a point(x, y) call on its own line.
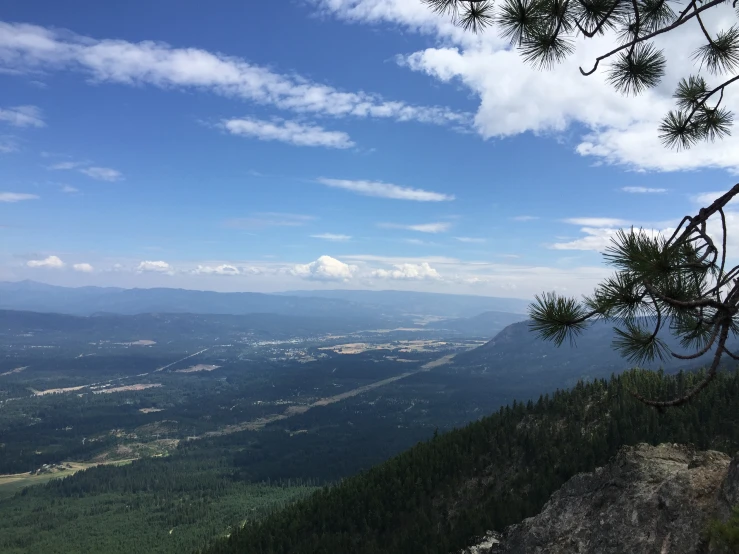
point(516, 354)
point(493, 473)
point(647, 499)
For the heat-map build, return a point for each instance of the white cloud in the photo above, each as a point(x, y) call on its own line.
point(269, 219)
point(26, 48)
point(325, 268)
point(421, 228)
point(414, 272)
point(157, 267)
point(524, 218)
point(223, 269)
point(470, 240)
point(516, 98)
point(332, 237)
point(386, 190)
point(597, 221)
point(643, 190)
point(84, 267)
point(22, 116)
point(51, 261)
point(69, 189)
point(102, 173)
point(16, 196)
point(290, 132)
point(597, 239)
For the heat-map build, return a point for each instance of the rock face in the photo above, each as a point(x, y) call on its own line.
point(647, 500)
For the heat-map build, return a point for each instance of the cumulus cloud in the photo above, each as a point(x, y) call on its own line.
point(154, 266)
point(516, 97)
point(421, 228)
point(16, 196)
point(102, 173)
point(332, 237)
point(223, 269)
point(50, 262)
point(290, 132)
point(25, 48)
point(413, 272)
point(269, 219)
point(22, 116)
point(84, 267)
point(643, 190)
point(386, 190)
point(325, 268)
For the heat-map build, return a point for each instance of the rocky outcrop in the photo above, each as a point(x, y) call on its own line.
point(647, 500)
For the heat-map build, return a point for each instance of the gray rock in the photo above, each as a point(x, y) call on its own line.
point(647, 500)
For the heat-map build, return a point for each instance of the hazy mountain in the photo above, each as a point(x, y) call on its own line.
point(518, 355)
point(423, 303)
point(166, 327)
point(32, 296)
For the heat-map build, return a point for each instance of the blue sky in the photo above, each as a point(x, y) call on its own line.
point(319, 144)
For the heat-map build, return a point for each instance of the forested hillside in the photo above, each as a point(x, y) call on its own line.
point(434, 497)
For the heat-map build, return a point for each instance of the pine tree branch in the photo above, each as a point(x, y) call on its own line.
point(599, 26)
point(710, 376)
point(701, 351)
point(675, 25)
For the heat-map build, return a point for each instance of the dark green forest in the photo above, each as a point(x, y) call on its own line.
point(437, 495)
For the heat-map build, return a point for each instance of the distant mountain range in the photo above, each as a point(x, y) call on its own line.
point(423, 303)
point(22, 326)
point(34, 296)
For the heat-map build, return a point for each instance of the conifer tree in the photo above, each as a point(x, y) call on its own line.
point(681, 284)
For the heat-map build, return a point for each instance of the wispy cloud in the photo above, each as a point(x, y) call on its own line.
point(51, 262)
point(408, 272)
point(69, 189)
point(223, 269)
point(524, 218)
point(22, 116)
point(472, 240)
point(94, 172)
point(290, 132)
point(332, 237)
point(386, 190)
point(63, 166)
point(16, 196)
point(30, 47)
point(8, 144)
point(102, 173)
point(83, 267)
point(643, 190)
point(597, 221)
point(421, 228)
point(269, 219)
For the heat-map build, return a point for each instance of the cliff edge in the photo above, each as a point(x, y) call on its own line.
point(647, 500)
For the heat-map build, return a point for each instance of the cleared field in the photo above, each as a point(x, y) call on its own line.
point(10, 484)
point(199, 367)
